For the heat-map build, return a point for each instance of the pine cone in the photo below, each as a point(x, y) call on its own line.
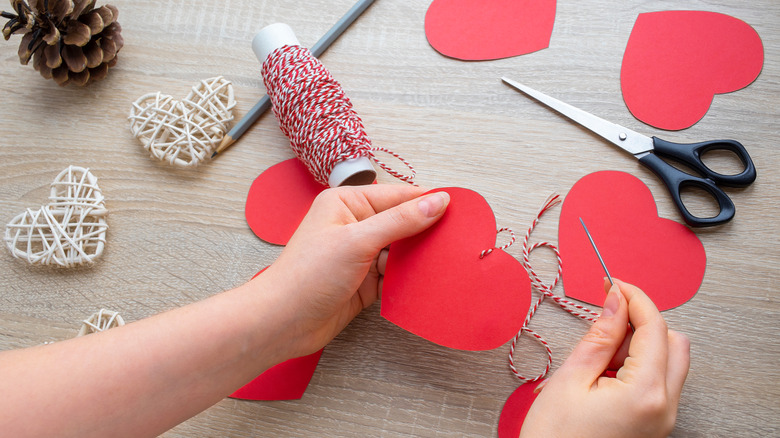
point(70, 41)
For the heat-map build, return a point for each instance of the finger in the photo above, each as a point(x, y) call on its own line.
point(620, 356)
point(597, 348)
point(381, 261)
point(380, 283)
point(381, 264)
point(678, 365)
point(366, 201)
point(351, 204)
point(368, 291)
point(622, 353)
point(649, 345)
point(403, 220)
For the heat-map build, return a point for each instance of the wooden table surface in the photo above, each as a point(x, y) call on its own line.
point(177, 236)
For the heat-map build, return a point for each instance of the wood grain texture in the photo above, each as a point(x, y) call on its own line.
point(177, 236)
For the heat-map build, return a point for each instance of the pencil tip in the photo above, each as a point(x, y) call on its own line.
point(226, 142)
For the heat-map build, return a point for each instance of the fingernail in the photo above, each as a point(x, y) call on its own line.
point(540, 386)
point(611, 304)
point(433, 204)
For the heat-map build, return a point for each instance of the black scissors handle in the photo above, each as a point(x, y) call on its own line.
point(675, 180)
point(690, 154)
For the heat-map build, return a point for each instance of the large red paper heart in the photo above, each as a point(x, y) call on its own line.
point(676, 61)
point(285, 381)
point(515, 409)
point(660, 256)
point(476, 30)
point(437, 286)
point(279, 199)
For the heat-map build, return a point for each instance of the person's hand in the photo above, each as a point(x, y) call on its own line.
point(333, 265)
point(641, 401)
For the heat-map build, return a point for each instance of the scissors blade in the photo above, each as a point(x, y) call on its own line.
point(624, 138)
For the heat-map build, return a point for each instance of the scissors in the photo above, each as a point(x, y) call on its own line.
point(649, 150)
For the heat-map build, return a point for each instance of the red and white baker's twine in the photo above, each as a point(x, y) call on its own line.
point(545, 290)
point(485, 252)
point(317, 116)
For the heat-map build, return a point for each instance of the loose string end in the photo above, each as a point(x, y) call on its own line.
point(546, 291)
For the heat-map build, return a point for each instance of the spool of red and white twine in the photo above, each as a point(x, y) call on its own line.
point(325, 132)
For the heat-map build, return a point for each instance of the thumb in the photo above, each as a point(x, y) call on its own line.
point(593, 354)
point(404, 220)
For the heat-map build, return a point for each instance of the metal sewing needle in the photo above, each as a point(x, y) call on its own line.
point(597, 252)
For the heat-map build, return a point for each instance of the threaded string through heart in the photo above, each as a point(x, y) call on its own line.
point(485, 252)
point(317, 116)
point(546, 291)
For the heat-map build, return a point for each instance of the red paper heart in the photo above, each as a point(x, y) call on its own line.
point(437, 287)
point(515, 409)
point(285, 381)
point(662, 257)
point(279, 199)
point(676, 61)
point(477, 30)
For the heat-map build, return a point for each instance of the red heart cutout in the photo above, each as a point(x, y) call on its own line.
point(437, 287)
point(662, 257)
point(676, 61)
point(285, 381)
point(515, 409)
point(476, 30)
point(279, 199)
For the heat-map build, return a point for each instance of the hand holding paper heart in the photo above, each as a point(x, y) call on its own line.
point(334, 254)
point(280, 197)
point(437, 286)
point(660, 256)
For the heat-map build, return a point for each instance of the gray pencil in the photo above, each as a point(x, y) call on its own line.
point(317, 49)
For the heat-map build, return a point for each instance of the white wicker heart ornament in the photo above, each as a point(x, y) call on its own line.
point(70, 230)
point(184, 133)
point(100, 322)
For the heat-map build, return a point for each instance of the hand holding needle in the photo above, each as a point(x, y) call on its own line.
point(603, 265)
